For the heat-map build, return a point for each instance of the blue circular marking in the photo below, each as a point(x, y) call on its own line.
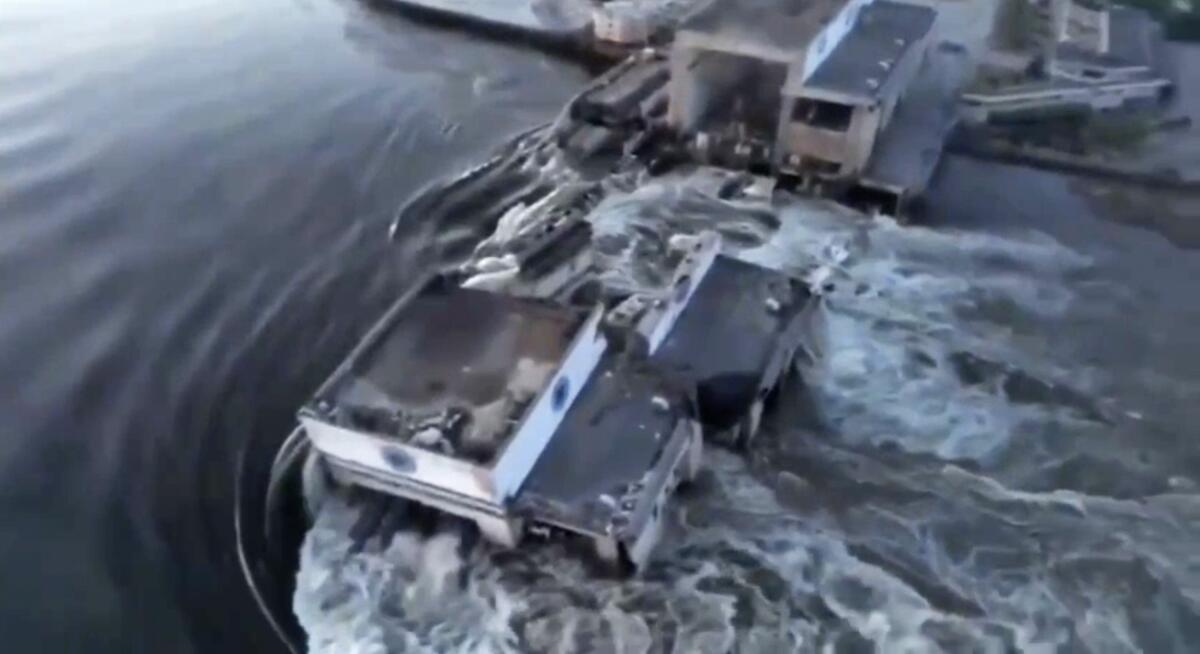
point(558, 398)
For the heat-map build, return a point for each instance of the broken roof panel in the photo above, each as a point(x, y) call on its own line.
point(482, 360)
point(860, 66)
point(909, 149)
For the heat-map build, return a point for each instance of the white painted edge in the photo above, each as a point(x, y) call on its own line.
point(669, 474)
point(657, 322)
point(369, 451)
point(542, 419)
point(437, 498)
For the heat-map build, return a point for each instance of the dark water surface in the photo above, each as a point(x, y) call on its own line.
point(194, 205)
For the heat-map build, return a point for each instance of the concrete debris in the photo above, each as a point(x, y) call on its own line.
point(496, 264)
point(682, 242)
point(820, 278)
point(427, 438)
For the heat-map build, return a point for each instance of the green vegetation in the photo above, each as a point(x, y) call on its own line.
point(1184, 26)
point(1121, 133)
point(1179, 25)
point(1055, 118)
point(1156, 8)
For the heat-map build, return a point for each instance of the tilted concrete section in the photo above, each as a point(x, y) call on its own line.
point(908, 152)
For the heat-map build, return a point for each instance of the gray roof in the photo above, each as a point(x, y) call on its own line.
point(781, 26)
point(862, 63)
point(610, 440)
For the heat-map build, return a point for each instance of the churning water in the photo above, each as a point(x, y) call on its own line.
point(988, 456)
point(997, 450)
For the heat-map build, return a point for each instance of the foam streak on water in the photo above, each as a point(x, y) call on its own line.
point(935, 488)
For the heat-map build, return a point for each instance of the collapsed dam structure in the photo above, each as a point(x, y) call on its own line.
point(540, 390)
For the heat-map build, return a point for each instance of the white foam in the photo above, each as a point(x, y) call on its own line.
point(737, 567)
point(901, 301)
point(744, 553)
point(404, 597)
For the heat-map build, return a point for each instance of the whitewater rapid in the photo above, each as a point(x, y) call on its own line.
point(918, 494)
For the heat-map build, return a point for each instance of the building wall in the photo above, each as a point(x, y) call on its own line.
point(1087, 27)
point(714, 89)
point(682, 109)
point(851, 148)
point(1054, 13)
point(1116, 97)
point(1067, 21)
point(854, 147)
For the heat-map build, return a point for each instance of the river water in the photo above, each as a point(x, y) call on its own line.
point(194, 206)
point(998, 451)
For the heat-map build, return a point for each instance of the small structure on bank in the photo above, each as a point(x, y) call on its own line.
point(1089, 57)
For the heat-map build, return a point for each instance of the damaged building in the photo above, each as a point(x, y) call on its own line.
point(799, 88)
